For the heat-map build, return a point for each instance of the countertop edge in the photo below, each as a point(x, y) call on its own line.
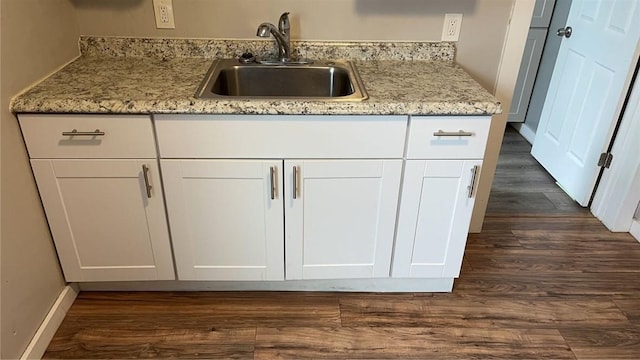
point(60, 106)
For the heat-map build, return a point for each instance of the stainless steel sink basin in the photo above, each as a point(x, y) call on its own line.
point(322, 80)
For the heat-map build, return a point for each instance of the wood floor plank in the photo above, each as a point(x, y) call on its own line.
point(544, 284)
point(555, 250)
point(409, 343)
point(509, 202)
point(584, 223)
point(515, 160)
point(630, 307)
point(535, 261)
point(224, 309)
point(448, 310)
point(594, 241)
point(604, 342)
point(491, 240)
point(105, 343)
point(562, 202)
point(525, 181)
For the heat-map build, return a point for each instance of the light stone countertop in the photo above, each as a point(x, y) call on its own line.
point(99, 83)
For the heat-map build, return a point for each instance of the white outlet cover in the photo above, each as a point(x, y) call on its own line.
point(163, 11)
point(451, 27)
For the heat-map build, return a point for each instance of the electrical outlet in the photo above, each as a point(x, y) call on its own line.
point(163, 11)
point(451, 27)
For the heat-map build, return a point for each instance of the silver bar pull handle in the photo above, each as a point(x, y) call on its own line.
point(295, 182)
point(472, 185)
point(147, 184)
point(75, 132)
point(453, 133)
point(274, 181)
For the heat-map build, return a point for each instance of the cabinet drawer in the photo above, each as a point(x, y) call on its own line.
point(425, 143)
point(118, 137)
point(291, 136)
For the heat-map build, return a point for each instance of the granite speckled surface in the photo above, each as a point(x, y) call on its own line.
point(220, 48)
point(108, 79)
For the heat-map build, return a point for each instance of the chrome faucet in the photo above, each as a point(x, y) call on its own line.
point(281, 34)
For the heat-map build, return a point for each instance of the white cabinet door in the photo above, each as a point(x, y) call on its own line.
point(435, 211)
point(340, 217)
point(226, 218)
point(105, 225)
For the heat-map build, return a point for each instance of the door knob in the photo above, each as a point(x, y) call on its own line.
point(566, 32)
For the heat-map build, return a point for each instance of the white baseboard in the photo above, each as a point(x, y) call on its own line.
point(367, 285)
point(635, 229)
point(50, 324)
point(525, 131)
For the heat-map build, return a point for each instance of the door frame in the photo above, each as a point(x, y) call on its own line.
point(618, 193)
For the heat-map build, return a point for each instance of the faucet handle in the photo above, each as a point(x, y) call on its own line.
point(283, 24)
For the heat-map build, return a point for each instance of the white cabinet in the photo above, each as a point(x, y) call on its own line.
point(437, 201)
point(236, 219)
point(340, 217)
point(226, 218)
point(325, 208)
point(106, 214)
point(438, 193)
point(258, 198)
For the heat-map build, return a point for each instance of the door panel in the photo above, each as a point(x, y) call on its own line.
point(341, 223)
point(225, 225)
point(586, 92)
point(527, 74)
point(542, 13)
point(434, 216)
point(104, 225)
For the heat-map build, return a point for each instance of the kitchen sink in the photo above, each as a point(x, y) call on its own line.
point(321, 80)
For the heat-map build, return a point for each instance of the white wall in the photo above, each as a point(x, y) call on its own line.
point(479, 48)
point(37, 37)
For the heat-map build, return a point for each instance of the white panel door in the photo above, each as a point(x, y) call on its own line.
point(527, 74)
point(542, 13)
point(226, 218)
point(340, 217)
point(104, 224)
point(433, 222)
point(588, 85)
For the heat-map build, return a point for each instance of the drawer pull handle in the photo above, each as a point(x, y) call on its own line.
point(472, 185)
point(274, 181)
point(452, 133)
point(147, 184)
point(75, 132)
point(295, 182)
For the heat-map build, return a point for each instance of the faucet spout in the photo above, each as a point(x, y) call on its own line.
point(281, 34)
point(284, 25)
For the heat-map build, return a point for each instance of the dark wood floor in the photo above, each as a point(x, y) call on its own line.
point(521, 184)
point(544, 279)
